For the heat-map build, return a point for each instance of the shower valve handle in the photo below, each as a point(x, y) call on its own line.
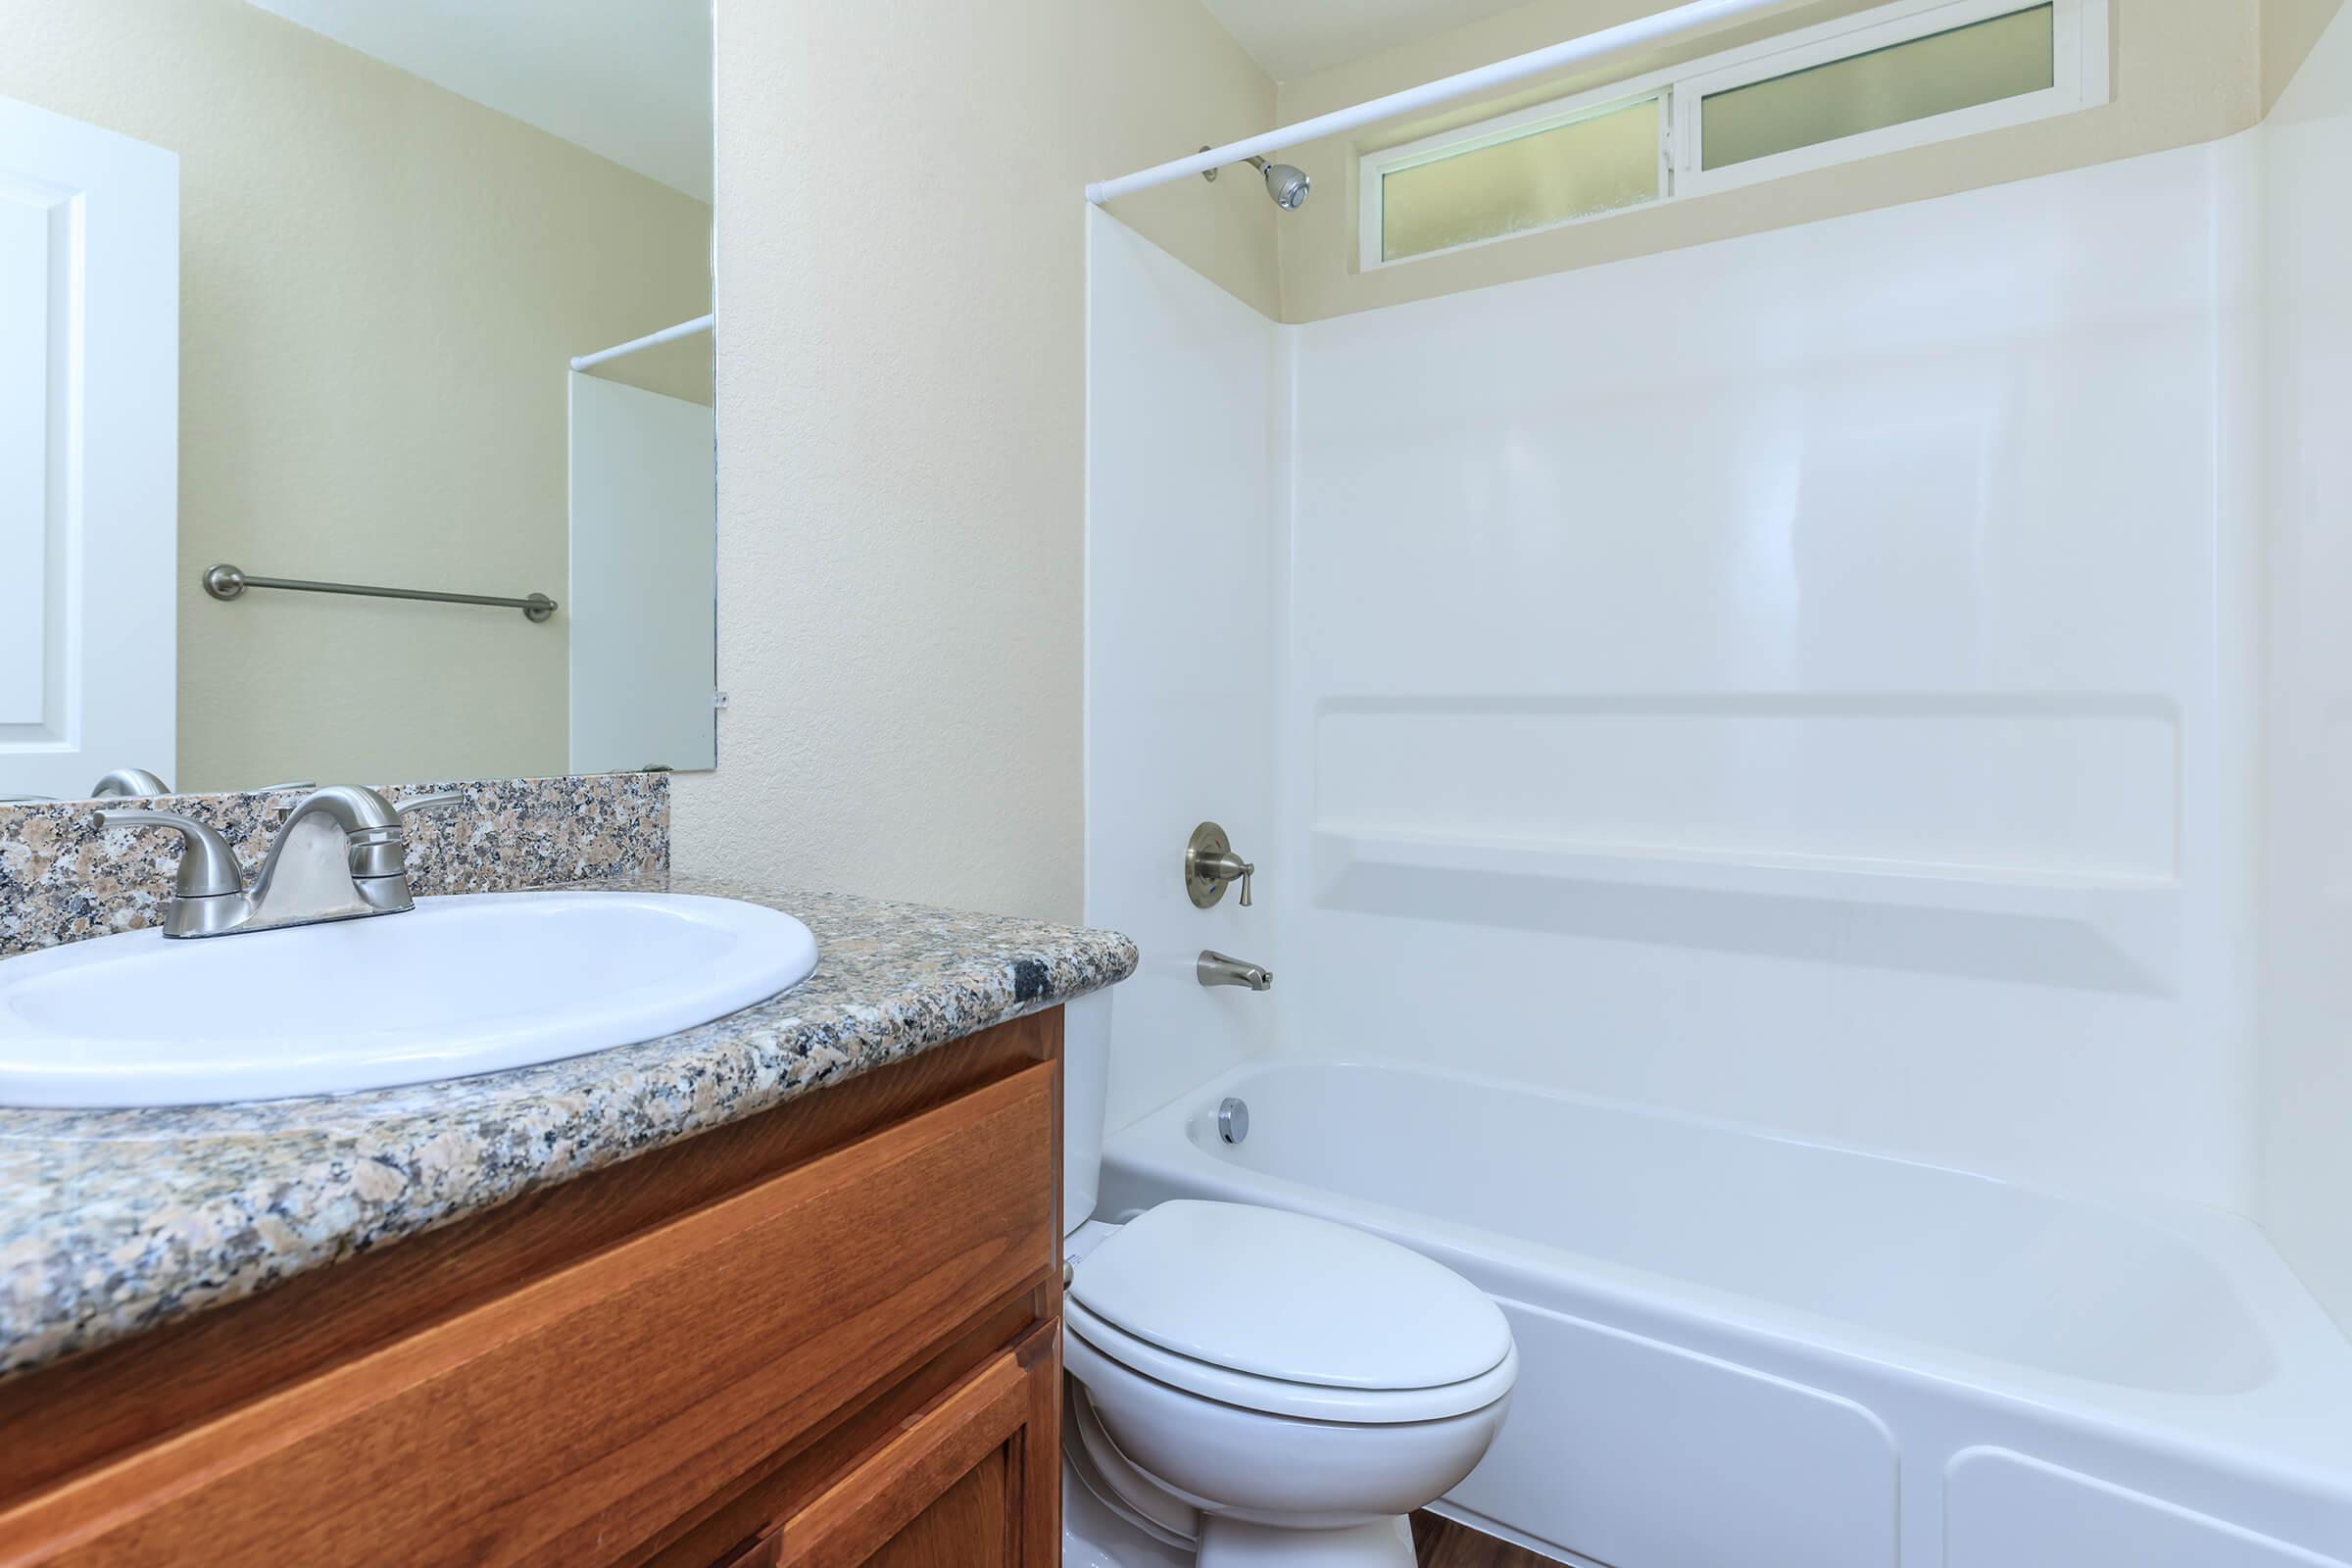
point(1230, 867)
point(1209, 863)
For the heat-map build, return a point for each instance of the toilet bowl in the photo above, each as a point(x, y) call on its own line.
point(1258, 1387)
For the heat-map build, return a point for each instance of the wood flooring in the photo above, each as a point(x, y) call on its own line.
point(1442, 1544)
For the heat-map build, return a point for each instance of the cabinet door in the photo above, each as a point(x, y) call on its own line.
point(972, 1482)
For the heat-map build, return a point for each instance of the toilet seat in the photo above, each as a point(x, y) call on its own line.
point(1286, 1314)
point(1304, 1401)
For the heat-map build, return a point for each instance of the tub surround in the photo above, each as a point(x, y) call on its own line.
point(63, 878)
point(112, 1222)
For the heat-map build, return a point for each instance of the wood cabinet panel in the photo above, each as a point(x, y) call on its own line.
point(963, 1527)
point(580, 1416)
point(971, 1482)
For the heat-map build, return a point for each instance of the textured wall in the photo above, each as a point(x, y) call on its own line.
point(902, 277)
point(381, 285)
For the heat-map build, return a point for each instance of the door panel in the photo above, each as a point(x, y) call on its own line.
point(89, 410)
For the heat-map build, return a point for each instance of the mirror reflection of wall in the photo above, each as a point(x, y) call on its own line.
point(396, 228)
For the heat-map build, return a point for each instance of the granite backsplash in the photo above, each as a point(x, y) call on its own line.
point(63, 878)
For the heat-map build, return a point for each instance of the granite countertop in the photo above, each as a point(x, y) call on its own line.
point(116, 1221)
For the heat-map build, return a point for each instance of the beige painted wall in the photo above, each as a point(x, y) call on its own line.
point(2290, 30)
point(902, 419)
point(381, 285)
point(2184, 70)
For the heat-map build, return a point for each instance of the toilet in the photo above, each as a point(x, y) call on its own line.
point(1249, 1387)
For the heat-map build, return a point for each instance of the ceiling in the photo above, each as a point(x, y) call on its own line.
point(1294, 38)
point(628, 79)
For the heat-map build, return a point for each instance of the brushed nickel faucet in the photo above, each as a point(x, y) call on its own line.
point(1220, 970)
point(340, 856)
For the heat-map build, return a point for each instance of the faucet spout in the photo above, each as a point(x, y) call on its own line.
point(340, 855)
point(1219, 969)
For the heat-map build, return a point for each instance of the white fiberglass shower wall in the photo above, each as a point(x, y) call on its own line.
point(1793, 680)
point(1798, 680)
point(2306, 929)
point(1183, 575)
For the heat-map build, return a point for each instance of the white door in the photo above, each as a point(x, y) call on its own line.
point(89, 453)
point(643, 624)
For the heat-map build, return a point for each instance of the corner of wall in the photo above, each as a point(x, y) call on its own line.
point(1189, 85)
point(2290, 30)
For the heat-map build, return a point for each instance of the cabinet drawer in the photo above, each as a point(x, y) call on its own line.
point(573, 1419)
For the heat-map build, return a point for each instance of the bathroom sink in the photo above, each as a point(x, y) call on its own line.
point(459, 985)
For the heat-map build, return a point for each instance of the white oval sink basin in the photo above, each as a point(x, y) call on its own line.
point(460, 985)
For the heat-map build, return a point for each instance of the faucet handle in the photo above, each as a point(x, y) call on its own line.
point(446, 800)
point(1209, 863)
point(382, 851)
point(207, 866)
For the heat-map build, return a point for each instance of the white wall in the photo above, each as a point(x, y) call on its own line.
point(1183, 577)
point(1788, 680)
point(1804, 680)
point(2307, 925)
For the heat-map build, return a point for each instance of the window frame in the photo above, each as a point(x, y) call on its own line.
point(2078, 80)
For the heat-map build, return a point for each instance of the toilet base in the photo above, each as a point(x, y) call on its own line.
point(1097, 1535)
point(1100, 1533)
point(1238, 1544)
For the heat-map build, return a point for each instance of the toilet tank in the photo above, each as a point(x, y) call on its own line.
point(1085, 1097)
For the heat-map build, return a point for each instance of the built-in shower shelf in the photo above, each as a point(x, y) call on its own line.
point(1908, 884)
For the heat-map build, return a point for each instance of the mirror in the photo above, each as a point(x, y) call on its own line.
point(301, 299)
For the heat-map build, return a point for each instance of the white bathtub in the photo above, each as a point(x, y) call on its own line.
point(1751, 1352)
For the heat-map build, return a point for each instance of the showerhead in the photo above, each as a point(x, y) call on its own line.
point(1288, 185)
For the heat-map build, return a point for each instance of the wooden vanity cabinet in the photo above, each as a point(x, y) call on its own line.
point(827, 1335)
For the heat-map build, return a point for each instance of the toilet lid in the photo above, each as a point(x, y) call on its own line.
point(1290, 1298)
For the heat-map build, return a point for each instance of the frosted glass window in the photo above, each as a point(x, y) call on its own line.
point(1595, 165)
point(1978, 63)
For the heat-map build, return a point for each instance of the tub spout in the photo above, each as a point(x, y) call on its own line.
point(1217, 970)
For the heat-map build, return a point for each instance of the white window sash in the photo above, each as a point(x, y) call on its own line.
point(2078, 80)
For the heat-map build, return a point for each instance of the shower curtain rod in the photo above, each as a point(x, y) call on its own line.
point(668, 334)
point(1502, 72)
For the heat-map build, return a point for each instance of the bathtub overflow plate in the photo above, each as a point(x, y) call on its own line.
point(1233, 1120)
